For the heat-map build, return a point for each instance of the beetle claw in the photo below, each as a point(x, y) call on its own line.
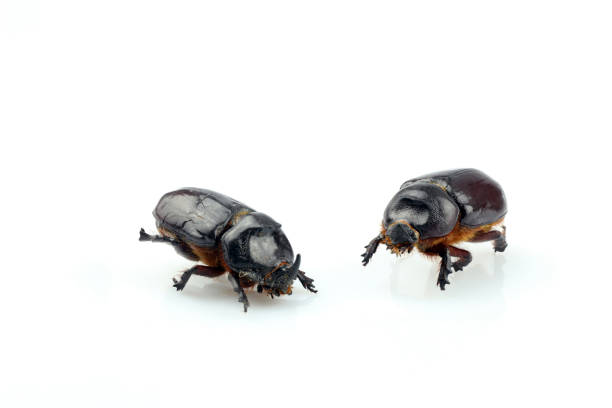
point(144, 236)
point(443, 278)
point(244, 300)
point(179, 286)
point(180, 281)
point(306, 282)
point(500, 247)
point(245, 304)
point(442, 282)
point(371, 249)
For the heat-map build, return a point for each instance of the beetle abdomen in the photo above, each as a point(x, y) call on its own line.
point(196, 215)
point(479, 197)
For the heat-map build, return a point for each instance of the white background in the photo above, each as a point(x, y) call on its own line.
point(313, 112)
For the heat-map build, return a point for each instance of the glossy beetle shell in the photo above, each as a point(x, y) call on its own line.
point(426, 207)
point(256, 243)
point(197, 215)
point(228, 238)
point(434, 212)
point(433, 204)
point(251, 242)
point(480, 199)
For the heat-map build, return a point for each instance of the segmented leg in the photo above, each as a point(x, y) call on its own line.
point(445, 268)
point(371, 249)
point(498, 238)
point(235, 281)
point(306, 282)
point(179, 246)
point(464, 257)
point(180, 280)
point(445, 264)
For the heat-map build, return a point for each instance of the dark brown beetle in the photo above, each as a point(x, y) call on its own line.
point(228, 237)
point(434, 212)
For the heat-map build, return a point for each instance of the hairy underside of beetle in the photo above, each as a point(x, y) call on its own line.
point(460, 233)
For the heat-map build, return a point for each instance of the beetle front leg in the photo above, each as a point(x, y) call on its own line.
point(445, 265)
point(306, 282)
point(371, 249)
point(242, 297)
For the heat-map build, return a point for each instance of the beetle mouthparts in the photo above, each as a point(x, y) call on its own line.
point(400, 233)
point(282, 278)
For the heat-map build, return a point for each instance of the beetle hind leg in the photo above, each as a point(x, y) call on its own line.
point(498, 238)
point(181, 280)
point(500, 243)
point(180, 247)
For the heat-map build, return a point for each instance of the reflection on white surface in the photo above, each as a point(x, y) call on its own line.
point(117, 321)
point(415, 276)
point(474, 292)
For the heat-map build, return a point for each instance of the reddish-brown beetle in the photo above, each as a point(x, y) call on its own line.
point(434, 212)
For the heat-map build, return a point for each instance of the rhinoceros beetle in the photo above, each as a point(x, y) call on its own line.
point(434, 212)
point(228, 237)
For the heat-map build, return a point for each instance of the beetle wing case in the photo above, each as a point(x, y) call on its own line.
point(256, 245)
point(196, 215)
point(480, 198)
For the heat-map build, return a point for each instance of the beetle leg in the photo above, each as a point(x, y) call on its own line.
point(306, 282)
point(371, 249)
point(464, 257)
point(445, 268)
point(179, 246)
point(210, 272)
point(445, 265)
point(242, 298)
point(498, 238)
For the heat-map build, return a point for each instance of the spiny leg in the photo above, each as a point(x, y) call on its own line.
point(464, 257)
point(445, 268)
point(306, 282)
point(498, 238)
point(179, 246)
point(445, 265)
point(371, 249)
point(500, 243)
point(235, 281)
point(180, 280)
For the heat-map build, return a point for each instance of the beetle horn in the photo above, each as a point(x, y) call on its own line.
point(293, 271)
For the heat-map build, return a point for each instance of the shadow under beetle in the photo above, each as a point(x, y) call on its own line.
point(228, 237)
point(433, 212)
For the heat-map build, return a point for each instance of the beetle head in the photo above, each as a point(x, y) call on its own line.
point(402, 236)
point(259, 251)
point(279, 281)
